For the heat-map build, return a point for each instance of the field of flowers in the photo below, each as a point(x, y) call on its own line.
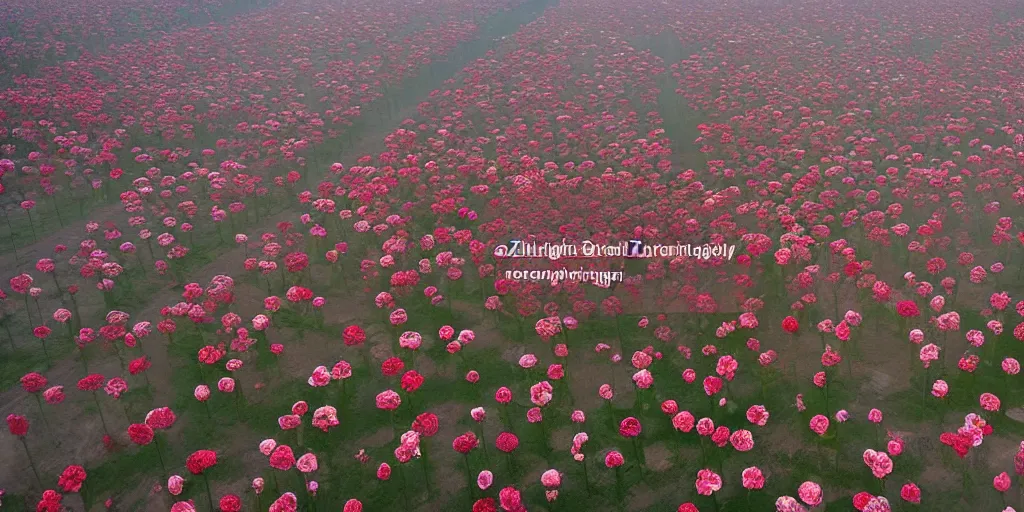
point(248, 255)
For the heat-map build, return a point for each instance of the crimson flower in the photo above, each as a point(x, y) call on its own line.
point(200, 461)
point(71, 478)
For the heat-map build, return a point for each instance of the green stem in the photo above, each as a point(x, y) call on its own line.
point(426, 468)
point(42, 414)
point(586, 477)
point(99, 409)
point(469, 477)
point(405, 486)
point(618, 484)
point(483, 444)
point(160, 453)
point(209, 493)
point(638, 453)
point(31, 461)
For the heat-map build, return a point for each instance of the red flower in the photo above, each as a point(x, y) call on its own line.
point(286, 503)
point(91, 382)
point(466, 443)
point(503, 395)
point(556, 372)
point(353, 335)
point(907, 309)
point(72, 478)
point(790, 324)
point(210, 354)
point(33, 382)
point(852, 269)
point(282, 458)
point(712, 385)
point(230, 503)
point(411, 381)
point(140, 433)
point(200, 461)
point(50, 502)
point(426, 424)
point(392, 366)
point(296, 261)
point(861, 499)
point(485, 505)
point(721, 436)
point(507, 442)
point(613, 459)
point(137, 366)
point(161, 418)
point(911, 493)
point(41, 332)
point(17, 425)
point(630, 427)
point(961, 444)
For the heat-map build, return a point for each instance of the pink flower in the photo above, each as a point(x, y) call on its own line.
point(708, 482)
point(875, 416)
point(810, 493)
point(911, 493)
point(742, 440)
point(534, 415)
point(643, 379)
point(528, 361)
point(551, 478)
point(226, 384)
point(175, 484)
point(758, 415)
point(388, 400)
point(1001, 482)
point(320, 377)
point(307, 463)
point(613, 459)
point(788, 504)
point(819, 424)
point(683, 421)
point(1011, 366)
point(705, 427)
point(989, 402)
point(478, 414)
point(484, 480)
point(753, 479)
point(879, 463)
point(510, 499)
point(541, 393)
point(267, 446)
point(894, 446)
point(689, 375)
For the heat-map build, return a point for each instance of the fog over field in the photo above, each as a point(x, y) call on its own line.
point(511, 255)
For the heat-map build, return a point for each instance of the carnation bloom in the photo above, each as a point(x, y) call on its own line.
point(484, 480)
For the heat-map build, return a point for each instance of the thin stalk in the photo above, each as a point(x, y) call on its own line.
point(469, 477)
point(99, 409)
point(209, 493)
point(160, 453)
point(31, 461)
